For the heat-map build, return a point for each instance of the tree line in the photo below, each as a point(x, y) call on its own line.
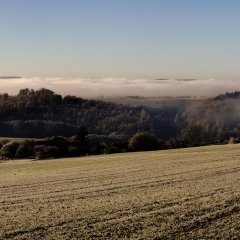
point(44, 115)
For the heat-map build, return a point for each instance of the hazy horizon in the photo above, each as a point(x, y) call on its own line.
point(109, 87)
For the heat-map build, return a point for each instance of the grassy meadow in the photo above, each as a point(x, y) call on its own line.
point(189, 193)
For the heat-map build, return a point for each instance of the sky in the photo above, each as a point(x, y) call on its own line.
point(79, 40)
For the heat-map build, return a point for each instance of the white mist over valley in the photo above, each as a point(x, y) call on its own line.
point(110, 86)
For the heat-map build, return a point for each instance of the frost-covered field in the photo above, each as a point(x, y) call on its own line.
point(178, 194)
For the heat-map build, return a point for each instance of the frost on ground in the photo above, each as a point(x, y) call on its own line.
point(178, 194)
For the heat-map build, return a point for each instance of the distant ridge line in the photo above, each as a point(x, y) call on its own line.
point(9, 77)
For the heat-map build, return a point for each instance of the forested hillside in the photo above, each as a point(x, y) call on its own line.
point(42, 113)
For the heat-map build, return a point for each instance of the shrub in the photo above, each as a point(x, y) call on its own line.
point(113, 149)
point(45, 151)
point(9, 150)
point(73, 139)
point(175, 143)
point(143, 142)
point(25, 149)
point(232, 140)
point(4, 141)
point(73, 151)
point(57, 141)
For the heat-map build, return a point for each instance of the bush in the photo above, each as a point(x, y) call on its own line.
point(74, 139)
point(232, 140)
point(9, 150)
point(45, 151)
point(73, 151)
point(113, 149)
point(4, 141)
point(143, 142)
point(175, 143)
point(25, 149)
point(57, 141)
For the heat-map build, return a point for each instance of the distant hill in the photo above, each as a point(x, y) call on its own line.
point(9, 77)
point(228, 95)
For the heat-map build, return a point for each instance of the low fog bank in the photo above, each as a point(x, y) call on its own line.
point(92, 87)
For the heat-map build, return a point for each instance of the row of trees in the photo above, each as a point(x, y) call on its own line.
point(77, 145)
point(83, 144)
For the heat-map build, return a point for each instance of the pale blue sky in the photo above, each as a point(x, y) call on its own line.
point(120, 38)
